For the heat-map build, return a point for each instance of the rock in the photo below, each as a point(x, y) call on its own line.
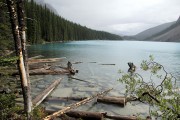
point(7, 90)
point(62, 92)
point(40, 86)
point(88, 89)
point(1, 90)
point(19, 99)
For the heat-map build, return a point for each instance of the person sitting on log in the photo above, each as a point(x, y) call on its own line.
point(132, 67)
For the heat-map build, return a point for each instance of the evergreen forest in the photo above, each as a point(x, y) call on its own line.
point(43, 25)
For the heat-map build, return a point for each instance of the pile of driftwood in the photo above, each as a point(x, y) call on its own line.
point(67, 113)
point(45, 67)
point(70, 114)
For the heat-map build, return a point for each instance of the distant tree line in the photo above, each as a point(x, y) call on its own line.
point(6, 38)
point(44, 25)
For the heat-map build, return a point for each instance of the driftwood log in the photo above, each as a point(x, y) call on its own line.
point(121, 101)
point(82, 114)
point(35, 57)
point(48, 60)
point(119, 117)
point(39, 98)
point(75, 105)
point(95, 115)
point(79, 79)
point(46, 71)
point(107, 64)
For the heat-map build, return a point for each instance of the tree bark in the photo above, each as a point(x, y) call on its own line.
point(39, 98)
point(18, 47)
point(22, 29)
point(73, 106)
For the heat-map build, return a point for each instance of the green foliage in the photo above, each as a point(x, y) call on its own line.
point(162, 95)
point(43, 25)
point(38, 113)
point(6, 41)
point(8, 61)
point(8, 109)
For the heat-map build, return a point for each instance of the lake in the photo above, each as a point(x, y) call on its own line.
point(93, 54)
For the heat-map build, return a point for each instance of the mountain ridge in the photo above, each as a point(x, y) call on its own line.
point(170, 34)
point(167, 32)
point(152, 31)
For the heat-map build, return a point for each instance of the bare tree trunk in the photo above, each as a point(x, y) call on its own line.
point(75, 105)
point(21, 19)
point(18, 47)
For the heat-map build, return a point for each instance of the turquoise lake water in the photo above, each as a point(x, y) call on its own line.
point(94, 53)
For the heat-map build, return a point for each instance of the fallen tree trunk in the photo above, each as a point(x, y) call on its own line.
point(112, 100)
point(119, 117)
point(48, 71)
point(105, 99)
point(44, 71)
point(107, 64)
point(39, 98)
point(82, 114)
point(77, 62)
point(35, 57)
point(32, 61)
point(79, 79)
point(72, 106)
point(95, 115)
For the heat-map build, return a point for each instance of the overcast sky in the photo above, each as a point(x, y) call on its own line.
point(124, 17)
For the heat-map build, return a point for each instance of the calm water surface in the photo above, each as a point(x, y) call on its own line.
point(94, 53)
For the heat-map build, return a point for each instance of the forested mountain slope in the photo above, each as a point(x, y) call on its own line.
point(6, 41)
point(44, 25)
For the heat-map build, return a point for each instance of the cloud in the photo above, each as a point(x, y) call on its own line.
point(118, 16)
